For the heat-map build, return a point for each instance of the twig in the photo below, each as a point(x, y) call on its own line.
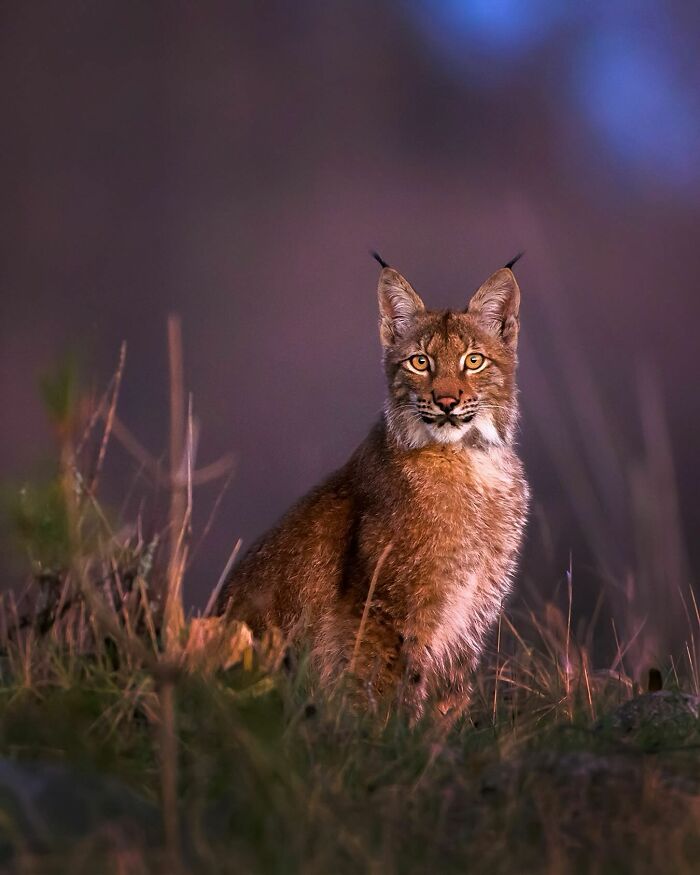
point(205, 474)
point(168, 749)
point(570, 589)
point(174, 617)
point(136, 449)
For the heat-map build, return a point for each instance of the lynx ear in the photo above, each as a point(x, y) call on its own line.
point(496, 305)
point(398, 305)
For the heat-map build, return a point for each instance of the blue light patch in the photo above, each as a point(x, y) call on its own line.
point(640, 105)
point(499, 30)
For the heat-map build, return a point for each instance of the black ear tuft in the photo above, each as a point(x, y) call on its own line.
point(378, 258)
point(514, 260)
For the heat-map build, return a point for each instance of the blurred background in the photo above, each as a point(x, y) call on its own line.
point(234, 163)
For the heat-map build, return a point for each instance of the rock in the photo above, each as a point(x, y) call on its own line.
point(588, 806)
point(45, 807)
point(662, 710)
point(567, 771)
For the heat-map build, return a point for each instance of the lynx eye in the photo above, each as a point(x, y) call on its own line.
point(419, 363)
point(474, 361)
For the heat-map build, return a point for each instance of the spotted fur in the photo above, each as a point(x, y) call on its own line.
point(437, 479)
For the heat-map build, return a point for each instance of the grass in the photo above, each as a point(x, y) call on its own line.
point(273, 776)
point(252, 768)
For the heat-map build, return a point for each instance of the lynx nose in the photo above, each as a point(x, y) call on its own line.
point(446, 403)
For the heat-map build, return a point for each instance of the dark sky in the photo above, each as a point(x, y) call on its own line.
point(234, 162)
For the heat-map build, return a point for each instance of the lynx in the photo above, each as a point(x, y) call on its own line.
point(394, 570)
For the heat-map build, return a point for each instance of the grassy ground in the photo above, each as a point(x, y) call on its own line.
point(273, 777)
point(124, 749)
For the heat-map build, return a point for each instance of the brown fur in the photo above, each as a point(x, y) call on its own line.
point(443, 487)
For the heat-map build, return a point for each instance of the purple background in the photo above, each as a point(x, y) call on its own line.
point(234, 162)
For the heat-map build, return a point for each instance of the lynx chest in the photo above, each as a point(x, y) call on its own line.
point(471, 497)
point(472, 508)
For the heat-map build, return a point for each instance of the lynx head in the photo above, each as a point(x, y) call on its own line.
point(451, 373)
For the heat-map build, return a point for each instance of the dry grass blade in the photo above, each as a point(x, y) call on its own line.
point(214, 597)
point(498, 668)
point(109, 420)
point(368, 602)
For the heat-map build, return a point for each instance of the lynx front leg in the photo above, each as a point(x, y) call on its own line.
point(413, 678)
point(454, 693)
point(372, 665)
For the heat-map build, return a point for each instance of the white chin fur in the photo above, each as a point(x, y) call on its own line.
point(414, 433)
point(451, 434)
point(447, 434)
point(484, 424)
